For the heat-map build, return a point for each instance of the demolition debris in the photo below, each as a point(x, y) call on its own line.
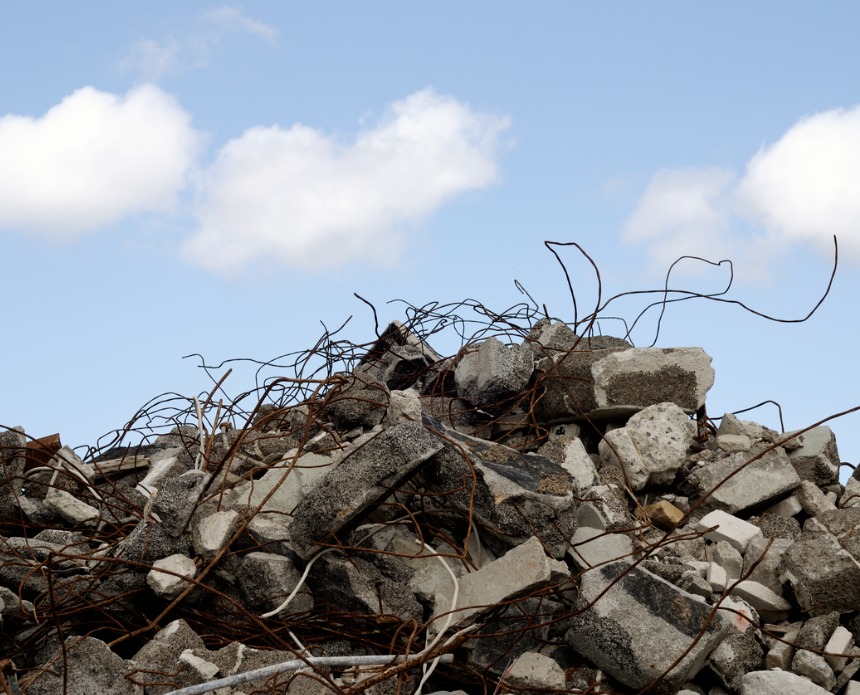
point(541, 512)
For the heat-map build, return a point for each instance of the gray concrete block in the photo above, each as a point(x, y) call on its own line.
point(778, 683)
point(534, 671)
point(521, 570)
point(268, 579)
point(337, 501)
point(634, 625)
point(640, 377)
point(738, 654)
point(824, 576)
point(177, 500)
point(168, 576)
point(818, 459)
point(651, 447)
point(90, 667)
point(814, 667)
point(744, 482)
point(812, 499)
point(492, 372)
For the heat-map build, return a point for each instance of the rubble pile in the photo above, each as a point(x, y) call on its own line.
point(552, 514)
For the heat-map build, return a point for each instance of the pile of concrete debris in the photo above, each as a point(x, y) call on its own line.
point(552, 515)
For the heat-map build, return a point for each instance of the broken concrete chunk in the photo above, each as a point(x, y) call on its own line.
point(778, 683)
point(177, 499)
point(493, 372)
point(838, 647)
point(69, 507)
point(814, 667)
point(824, 576)
point(360, 481)
point(734, 442)
point(268, 579)
point(212, 532)
point(743, 480)
point(762, 561)
point(818, 459)
point(90, 667)
point(523, 569)
point(168, 576)
point(640, 377)
point(590, 547)
point(282, 485)
point(781, 653)
point(534, 671)
point(357, 402)
point(726, 527)
point(812, 499)
point(768, 603)
point(635, 625)
point(651, 447)
point(734, 657)
point(403, 406)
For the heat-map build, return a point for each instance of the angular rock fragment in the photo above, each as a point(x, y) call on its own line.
point(90, 667)
point(493, 373)
point(523, 569)
point(360, 481)
point(635, 625)
point(168, 576)
point(743, 480)
point(817, 460)
point(651, 447)
point(640, 377)
point(778, 683)
point(268, 579)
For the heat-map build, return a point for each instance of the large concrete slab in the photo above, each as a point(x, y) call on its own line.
point(358, 483)
point(743, 480)
point(635, 625)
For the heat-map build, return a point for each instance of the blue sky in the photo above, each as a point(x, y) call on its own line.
point(210, 178)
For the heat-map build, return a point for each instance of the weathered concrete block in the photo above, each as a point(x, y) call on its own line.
point(812, 499)
point(168, 576)
point(357, 585)
point(283, 487)
point(380, 466)
point(522, 569)
point(147, 666)
point(534, 671)
point(69, 507)
point(267, 579)
point(762, 563)
point(640, 377)
point(90, 667)
point(403, 406)
point(778, 683)
point(590, 547)
point(634, 625)
point(357, 402)
point(769, 604)
point(493, 372)
point(734, 657)
point(727, 527)
point(817, 460)
point(177, 499)
point(511, 495)
point(814, 667)
point(824, 576)
point(839, 646)
point(213, 531)
point(745, 479)
point(651, 447)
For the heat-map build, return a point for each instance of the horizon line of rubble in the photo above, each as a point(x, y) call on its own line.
point(559, 514)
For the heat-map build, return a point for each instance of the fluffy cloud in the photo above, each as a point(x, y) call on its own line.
point(804, 188)
point(92, 160)
point(303, 198)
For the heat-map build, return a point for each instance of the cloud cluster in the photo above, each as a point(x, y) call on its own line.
point(303, 198)
point(94, 159)
point(293, 196)
point(804, 188)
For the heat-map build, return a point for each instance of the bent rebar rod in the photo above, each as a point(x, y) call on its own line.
point(295, 665)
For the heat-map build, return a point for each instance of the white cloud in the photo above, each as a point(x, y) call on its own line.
point(230, 20)
point(152, 59)
point(301, 198)
point(804, 188)
point(92, 160)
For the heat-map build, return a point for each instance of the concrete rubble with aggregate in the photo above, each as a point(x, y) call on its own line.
point(559, 514)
